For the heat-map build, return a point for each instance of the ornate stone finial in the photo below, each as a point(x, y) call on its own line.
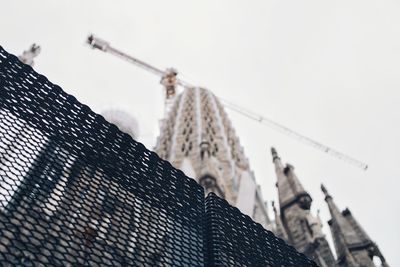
point(288, 168)
point(28, 55)
point(323, 188)
point(274, 154)
point(325, 191)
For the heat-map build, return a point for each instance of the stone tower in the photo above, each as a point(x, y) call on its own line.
point(353, 246)
point(295, 223)
point(197, 137)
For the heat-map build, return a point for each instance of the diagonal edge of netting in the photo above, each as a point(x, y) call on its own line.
point(234, 238)
point(58, 115)
point(158, 221)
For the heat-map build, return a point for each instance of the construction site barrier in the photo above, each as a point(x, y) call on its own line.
point(76, 191)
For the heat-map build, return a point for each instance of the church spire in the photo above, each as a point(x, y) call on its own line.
point(290, 189)
point(197, 137)
point(300, 227)
point(353, 245)
point(276, 160)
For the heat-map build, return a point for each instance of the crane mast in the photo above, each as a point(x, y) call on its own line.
point(170, 81)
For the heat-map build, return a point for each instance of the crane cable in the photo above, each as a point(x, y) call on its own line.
point(283, 129)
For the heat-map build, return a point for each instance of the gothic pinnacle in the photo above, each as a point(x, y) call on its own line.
point(323, 188)
point(325, 191)
point(274, 154)
point(349, 234)
point(295, 221)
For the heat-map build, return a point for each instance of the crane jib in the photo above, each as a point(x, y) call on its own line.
point(97, 43)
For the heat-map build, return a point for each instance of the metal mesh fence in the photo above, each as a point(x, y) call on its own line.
point(236, 240)
point(75, 191)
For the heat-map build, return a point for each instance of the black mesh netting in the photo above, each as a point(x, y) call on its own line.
point(75, 191)
point(236, 240)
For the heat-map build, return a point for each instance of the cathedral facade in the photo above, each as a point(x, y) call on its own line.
point(197, 137)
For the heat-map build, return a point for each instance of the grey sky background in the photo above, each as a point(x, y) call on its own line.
point(327, 69)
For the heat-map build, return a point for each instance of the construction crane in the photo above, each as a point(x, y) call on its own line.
point(170, 81)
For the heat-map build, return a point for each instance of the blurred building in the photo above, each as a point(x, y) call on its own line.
point(123, 120)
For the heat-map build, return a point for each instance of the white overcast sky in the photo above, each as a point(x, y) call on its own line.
point(328, 69)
